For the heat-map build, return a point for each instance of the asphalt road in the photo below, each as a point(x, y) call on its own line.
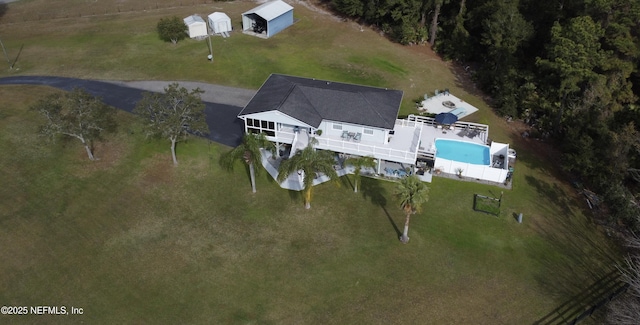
point(222, 103)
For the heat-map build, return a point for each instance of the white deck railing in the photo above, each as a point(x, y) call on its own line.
point(483, 129)
point(365, 150)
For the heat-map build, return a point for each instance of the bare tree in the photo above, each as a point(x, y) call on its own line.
point(626, 309)
point(173, 115)
point(77, 114)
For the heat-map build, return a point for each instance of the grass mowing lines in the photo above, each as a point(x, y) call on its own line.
point(157, 237)
point(379, 63)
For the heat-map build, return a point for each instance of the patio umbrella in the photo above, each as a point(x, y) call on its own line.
point(446, 118)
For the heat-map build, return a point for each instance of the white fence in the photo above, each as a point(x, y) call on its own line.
point(486, 173)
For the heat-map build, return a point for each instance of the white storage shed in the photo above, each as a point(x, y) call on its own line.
point(268, 19)
point(219, 23)
point(196, 26)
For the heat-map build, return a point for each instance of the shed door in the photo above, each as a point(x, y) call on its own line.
point(222, 27)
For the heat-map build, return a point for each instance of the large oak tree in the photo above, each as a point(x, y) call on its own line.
point(173, 115)
point(76, 114)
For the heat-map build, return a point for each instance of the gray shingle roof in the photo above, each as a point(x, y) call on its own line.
point(270, 10)
point(311, 101)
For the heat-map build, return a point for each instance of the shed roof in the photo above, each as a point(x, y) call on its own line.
point(270, 10)
point(194, 19)
point(311, 101)
point(218, 16)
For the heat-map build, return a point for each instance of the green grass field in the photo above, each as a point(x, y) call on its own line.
point(131, 239)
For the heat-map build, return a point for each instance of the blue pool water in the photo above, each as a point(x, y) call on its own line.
point(461, 151)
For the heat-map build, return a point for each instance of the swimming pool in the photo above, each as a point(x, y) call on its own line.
point(462, 151)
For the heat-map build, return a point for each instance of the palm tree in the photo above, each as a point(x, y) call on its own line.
point(249, 152)
point(308, 161)
point(359, 163)
point(412, 193)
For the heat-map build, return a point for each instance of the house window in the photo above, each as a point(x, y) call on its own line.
point(337, 126)
point(368, 131)
point(257, 126)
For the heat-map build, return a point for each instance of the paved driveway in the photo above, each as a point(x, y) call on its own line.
point(222, 103)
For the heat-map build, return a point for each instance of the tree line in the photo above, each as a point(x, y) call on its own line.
point(568, 68)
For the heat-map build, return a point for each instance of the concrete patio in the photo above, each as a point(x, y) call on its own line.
point(445, 102)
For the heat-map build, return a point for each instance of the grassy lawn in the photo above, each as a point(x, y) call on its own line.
point(131, 239)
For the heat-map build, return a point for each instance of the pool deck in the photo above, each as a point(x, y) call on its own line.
point(460, 131)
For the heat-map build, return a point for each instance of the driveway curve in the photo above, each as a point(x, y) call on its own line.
point(222, 104)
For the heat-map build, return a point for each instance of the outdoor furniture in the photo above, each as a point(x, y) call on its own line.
point(465, 131)
point(357, 137)
point(345, 134)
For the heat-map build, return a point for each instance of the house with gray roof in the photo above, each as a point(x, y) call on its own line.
point(356, 120)
point(353, 119)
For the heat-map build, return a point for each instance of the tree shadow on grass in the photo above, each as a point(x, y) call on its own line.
point(371, 189)
point(551, 192)
point(3, 9)
point(346, 181)
point(579, 264)
point(591, 295)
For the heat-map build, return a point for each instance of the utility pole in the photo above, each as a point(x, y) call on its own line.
point(210, 56)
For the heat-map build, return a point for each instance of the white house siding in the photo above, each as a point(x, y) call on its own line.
point(334, 129)
point(283, 125)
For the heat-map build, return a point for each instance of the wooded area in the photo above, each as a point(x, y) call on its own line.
point(567, 68)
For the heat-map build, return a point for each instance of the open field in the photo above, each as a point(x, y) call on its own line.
point(125, 47)
point(133, 240)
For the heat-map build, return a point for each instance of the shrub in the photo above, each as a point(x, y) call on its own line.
point(171, 29)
